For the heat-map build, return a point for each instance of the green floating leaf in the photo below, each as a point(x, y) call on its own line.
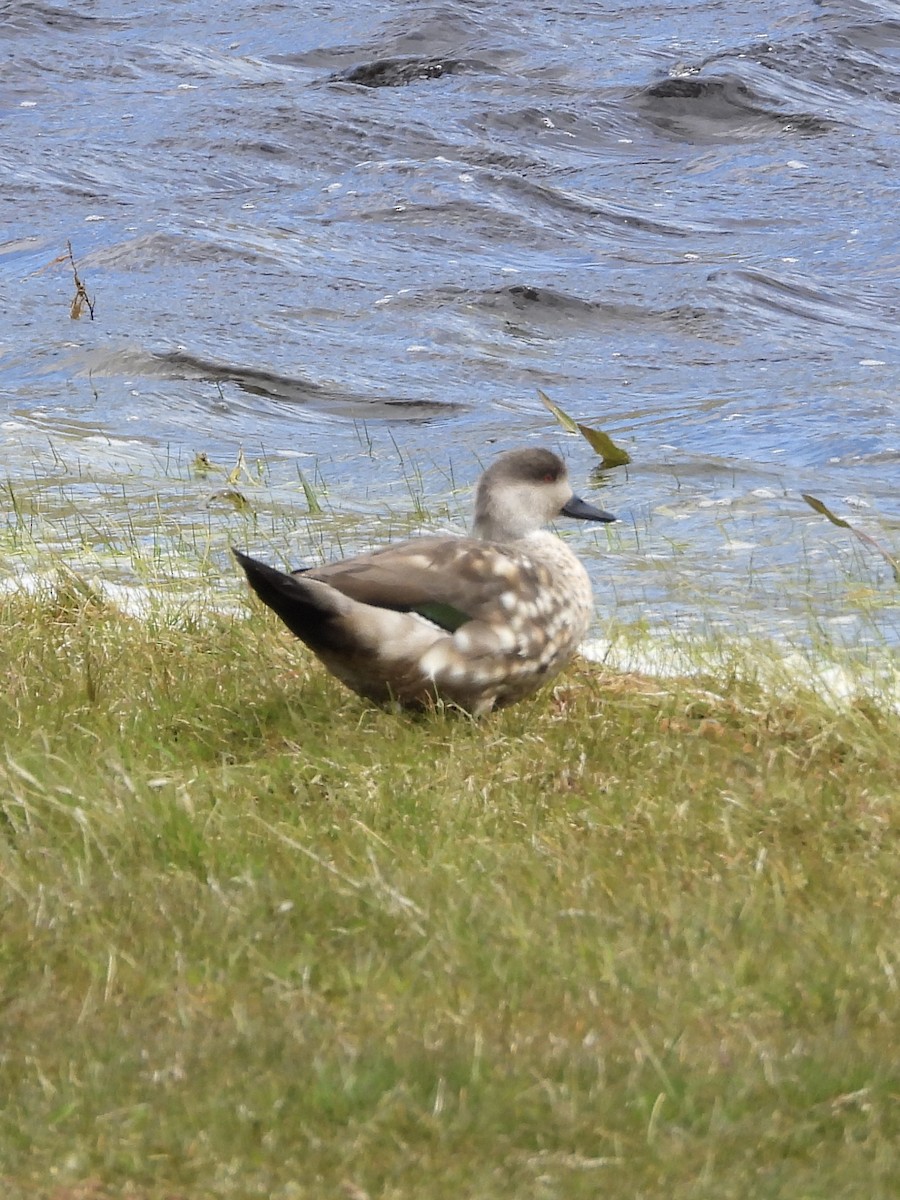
point(819, 507)
point(601, 443)
point(564, 419)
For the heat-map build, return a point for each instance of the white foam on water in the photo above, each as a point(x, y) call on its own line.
point(781, 673)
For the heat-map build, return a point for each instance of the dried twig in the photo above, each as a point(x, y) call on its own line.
point(81, 299)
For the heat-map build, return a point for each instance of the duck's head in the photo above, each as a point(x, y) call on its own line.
point(524, 490)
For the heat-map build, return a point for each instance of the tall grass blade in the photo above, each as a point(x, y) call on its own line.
point(818, 506)
point(309, 492)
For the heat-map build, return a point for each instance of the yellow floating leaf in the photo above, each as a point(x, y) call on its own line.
point(601, 443)
point(239, 468)
point(563, 418)
point(230, 496)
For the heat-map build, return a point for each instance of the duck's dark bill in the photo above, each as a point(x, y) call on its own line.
point(582, 511)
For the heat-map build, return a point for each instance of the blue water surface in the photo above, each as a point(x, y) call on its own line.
point(358, 239)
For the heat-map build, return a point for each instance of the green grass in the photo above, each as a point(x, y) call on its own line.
point(261, 939)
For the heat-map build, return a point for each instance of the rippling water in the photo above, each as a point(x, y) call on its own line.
point(360, 237)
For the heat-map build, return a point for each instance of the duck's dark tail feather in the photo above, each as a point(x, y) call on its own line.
point(312, 611)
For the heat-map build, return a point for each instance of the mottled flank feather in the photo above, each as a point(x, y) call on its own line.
point(476, 622)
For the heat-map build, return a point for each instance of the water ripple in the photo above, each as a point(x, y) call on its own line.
point(375, 233)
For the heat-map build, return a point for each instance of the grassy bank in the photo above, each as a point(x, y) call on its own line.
point(260, 939)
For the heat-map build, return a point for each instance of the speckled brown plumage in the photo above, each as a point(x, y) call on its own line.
point(476, 622)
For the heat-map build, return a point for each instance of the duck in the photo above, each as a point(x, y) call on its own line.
point(475, 623)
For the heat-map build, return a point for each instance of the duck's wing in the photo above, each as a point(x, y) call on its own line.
point(448, 580)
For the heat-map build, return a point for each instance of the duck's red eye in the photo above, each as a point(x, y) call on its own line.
point(548, 478)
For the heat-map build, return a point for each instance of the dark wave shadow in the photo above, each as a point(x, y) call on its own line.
point(761, 293)
point(292, 390)
point(550, 309)
point(399, 72)
point(25, 18)
point(712, 108)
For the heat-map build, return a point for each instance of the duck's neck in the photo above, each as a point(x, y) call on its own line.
point(503, 530)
